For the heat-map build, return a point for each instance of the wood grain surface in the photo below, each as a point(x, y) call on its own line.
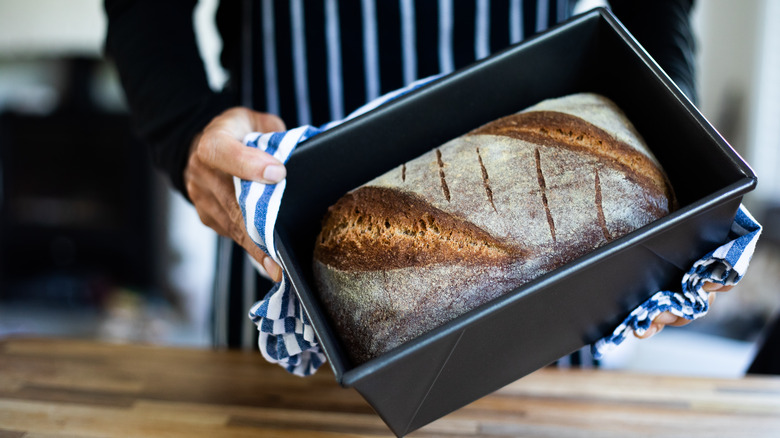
point(74, 388)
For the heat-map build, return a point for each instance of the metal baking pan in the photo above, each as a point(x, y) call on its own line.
point(564, 310)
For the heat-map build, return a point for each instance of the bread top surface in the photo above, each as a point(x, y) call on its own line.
point(480, 197)
point(481, 215)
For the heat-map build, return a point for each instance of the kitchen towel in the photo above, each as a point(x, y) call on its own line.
point(287, 337)
point(725, 265)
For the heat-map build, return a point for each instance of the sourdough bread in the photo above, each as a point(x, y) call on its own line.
point(479, 216)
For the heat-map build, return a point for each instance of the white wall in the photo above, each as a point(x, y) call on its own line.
point(51, 27)
point(764, 116)
point(739, 83)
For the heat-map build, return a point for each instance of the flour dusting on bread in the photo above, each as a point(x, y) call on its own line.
point(480, 215)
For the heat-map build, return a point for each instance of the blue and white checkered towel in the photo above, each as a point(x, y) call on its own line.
point(726, 265)
point(287, 337)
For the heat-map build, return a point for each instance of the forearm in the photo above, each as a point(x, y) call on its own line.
point(663, 28)
point(153, 46)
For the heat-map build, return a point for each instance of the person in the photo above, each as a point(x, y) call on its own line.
point(292, 62)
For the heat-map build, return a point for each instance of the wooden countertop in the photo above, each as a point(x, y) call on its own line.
point(69, 388)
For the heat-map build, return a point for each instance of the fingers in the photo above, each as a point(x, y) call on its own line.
point(219, 211)
point(234, 158)
point(651, 331)
point(272, 269)
point(716, 287)
point(217, 155)
point(220, 147)
point(669, 319)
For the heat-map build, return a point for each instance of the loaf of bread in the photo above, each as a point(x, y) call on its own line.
point(479, 216)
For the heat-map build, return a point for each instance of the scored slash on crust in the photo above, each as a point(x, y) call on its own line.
point(543, 191)
point(444, 187)
point(486, 181)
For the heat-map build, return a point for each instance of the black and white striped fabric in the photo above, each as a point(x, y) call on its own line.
point(317, 61)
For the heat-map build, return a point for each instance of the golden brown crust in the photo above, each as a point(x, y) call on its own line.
point(557, 129)
point(375, 228)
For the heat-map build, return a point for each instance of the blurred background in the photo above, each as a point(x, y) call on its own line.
point(94, 244)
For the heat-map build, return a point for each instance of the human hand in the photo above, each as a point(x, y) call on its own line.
point(670, 319)
point(216, 155)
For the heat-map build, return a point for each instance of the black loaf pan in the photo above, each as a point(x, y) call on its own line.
point(564, 310)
